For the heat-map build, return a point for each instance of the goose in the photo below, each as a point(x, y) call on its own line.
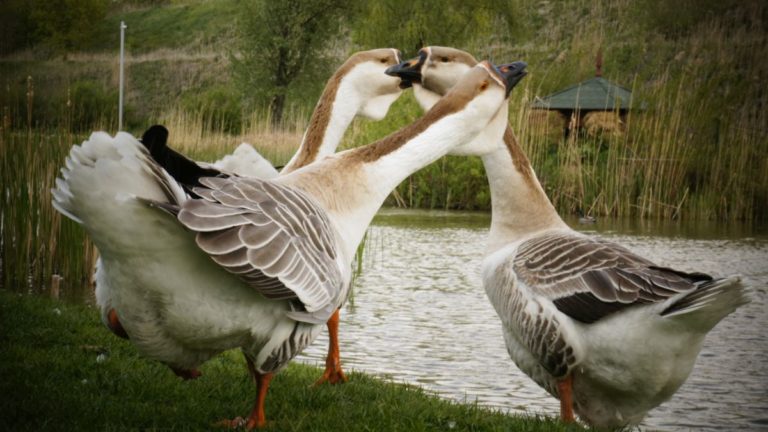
point(359, 87)
point(246, 161)
point(608, 332)
point(241, 262)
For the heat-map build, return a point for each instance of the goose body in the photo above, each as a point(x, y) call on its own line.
point(225, 261)
point(609, 333)
point(248, 162)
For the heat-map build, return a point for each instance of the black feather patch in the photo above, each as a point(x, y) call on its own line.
point(182, 169)
point(585, 307)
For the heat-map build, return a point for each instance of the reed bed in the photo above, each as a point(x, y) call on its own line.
point(37, 244)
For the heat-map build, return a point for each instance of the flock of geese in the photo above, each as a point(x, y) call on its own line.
point(199, 258)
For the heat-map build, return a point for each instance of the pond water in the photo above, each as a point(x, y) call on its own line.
point(420, 315)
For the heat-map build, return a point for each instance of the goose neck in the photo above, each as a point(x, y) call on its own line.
point(332, 116)
point(520, 206)
point(352, 185)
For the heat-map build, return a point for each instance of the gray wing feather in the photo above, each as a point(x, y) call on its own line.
point(534, 325)
point(276, 239)
point(590, 278)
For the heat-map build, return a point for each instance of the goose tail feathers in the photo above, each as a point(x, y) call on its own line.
point(709, 303)
point(105, 168)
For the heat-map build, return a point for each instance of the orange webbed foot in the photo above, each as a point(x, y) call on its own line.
point(332, 375)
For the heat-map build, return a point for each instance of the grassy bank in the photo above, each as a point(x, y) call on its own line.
point(62, 370)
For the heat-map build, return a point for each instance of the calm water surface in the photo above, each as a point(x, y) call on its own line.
point(420, 315)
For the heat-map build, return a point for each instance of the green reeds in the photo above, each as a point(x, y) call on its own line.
point(37, 242)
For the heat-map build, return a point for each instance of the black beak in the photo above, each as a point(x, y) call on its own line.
point(408, 71)
point(512, 73)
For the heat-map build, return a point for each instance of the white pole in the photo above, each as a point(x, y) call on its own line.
point(122, 62)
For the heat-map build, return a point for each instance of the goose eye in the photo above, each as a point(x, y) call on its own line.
point(383, 60)
point(483, 85)
point(444, 59)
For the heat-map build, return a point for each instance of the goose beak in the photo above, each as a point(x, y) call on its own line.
point(408, 71)
point(512, 73)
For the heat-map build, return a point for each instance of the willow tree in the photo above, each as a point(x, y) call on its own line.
point(412, 24)
point(282, 46)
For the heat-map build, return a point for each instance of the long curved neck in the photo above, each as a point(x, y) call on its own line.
point(353, 184)
point(333, 113)
point(520, 206)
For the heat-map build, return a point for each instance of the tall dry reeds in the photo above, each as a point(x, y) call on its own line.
point(36, 242)
point(201, 137)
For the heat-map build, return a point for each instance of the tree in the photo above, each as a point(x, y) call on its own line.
point(17, 31)
point(282, 47)
point(412, 24)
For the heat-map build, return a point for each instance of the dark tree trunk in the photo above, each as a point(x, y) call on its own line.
point(276, 109)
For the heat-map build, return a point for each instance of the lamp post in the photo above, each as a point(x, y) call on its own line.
point(122, 62)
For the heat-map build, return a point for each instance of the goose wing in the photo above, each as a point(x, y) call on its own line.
point(275, 238)
point(588, 278)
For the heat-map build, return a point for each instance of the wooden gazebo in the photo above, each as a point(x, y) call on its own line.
point(595, 94)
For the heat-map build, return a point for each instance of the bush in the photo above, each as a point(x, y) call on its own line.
point(91, 104)
point(220, 106)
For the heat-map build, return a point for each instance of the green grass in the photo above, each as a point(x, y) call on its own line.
point(52, 379)
point(188, 24)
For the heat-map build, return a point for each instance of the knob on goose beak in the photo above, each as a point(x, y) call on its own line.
point(408, 71)
point(512, 73)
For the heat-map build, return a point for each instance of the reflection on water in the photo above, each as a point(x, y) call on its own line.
point(420, 316)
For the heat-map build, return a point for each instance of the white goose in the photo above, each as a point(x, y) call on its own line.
point(609, 333)
point(359, 87)
point(246, 161)
point(244, 262)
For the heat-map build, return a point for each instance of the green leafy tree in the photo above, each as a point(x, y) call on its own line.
point(67, 24)
point(283, 49)
point(412, 24)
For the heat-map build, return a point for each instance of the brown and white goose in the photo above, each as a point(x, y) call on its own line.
point(610, 333)
point(243, 262)
point(359, 87)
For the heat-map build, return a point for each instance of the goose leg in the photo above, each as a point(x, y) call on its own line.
point(565, 391)
point(256, 419)
point(113, 323)
point(333, 373)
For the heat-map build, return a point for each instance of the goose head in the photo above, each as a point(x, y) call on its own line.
point(362, 75)
point(437, 69)
point(484, 86)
